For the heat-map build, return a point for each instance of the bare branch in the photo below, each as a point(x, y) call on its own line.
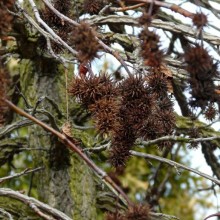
point(162, 216)
point(157, 23)
point(174, 164)
point(178, 139)
point(101, 174)
point(19, 124)
point(26, 171)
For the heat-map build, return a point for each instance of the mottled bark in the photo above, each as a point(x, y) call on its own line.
point(66, 183)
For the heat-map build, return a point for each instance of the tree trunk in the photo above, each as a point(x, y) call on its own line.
point(66, 183)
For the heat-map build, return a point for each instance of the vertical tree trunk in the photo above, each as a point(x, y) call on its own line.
point(66, 183)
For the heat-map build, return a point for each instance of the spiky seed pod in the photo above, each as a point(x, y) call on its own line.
point(123, 135)
point(158, 84)
point(138, 212)
point(200, 64)
point(194, 132)
point(134, 112)
point(136, 102)
point(84, 39)
point(202, 71)
point(211, 112)
point(114, 216)
point(145, 19)
point(164, 145)
point(132, 87)
point(150, 51)
point(165, 103)
point(202, 92)
point(119, 155)
point(123, 139)
point(92, 88)
point(150, 128)
point(93, 6)
point(104, 111)
point(61, 27)
point(200, 20)
point(167, 120)
point(63, 6)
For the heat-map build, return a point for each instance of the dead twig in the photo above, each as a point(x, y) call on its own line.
point(26, 171)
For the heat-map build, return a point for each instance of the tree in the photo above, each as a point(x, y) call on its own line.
point(103, 144)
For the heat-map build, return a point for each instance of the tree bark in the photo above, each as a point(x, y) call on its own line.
point(66, 183)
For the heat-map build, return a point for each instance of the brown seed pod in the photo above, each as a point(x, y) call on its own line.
point(83, 37)
point(138, 212)
point(202, 70)
point(63, 6)
point(92, 88)
point(165, 104)
point(133, 87)
point(150, 128)
point(199, 63)
point(150, 48)
point(119, 155)
point(158, 84)
point(145, 19)
point(8, 3)
point(194, 132)
point(105, 111)
point(114, 216)
point(167, 121)
point(93, 6)
point(200, 20)
point(211, 112)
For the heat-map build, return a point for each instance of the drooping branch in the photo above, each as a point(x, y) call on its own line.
point(175, 165)
point(104, 177)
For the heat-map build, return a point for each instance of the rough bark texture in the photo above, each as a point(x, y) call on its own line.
point(66, 183)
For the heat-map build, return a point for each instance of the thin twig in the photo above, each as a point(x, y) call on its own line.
point(114, 9)
point(161, 215)
point(19, 124)
point(174, 164)
point(173, 7)
point(26, 171)
point(178, 139)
